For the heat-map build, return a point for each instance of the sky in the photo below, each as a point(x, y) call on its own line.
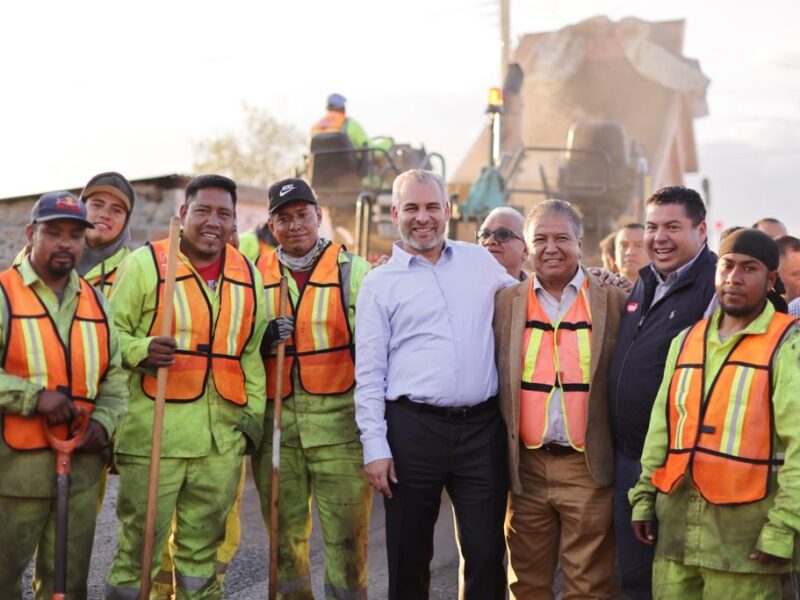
point(89, 86)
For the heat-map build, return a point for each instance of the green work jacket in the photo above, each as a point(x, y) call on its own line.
point(191, 429)
point(694, 532)
point(31, 474)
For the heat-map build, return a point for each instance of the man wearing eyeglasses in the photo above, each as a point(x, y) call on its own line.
point(501, 234)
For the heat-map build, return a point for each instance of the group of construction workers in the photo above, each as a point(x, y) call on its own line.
point(637, 430)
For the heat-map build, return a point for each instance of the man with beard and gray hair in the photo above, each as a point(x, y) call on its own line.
point(426, 394)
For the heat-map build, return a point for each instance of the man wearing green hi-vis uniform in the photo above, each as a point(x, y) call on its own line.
point(215, 392)
point(58, 351)
point(321, 454)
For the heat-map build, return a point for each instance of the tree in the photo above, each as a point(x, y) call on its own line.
point(266, 151)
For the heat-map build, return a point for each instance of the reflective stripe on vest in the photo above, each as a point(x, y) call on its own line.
point(322, 343)
point(556, 356)
point(332, 122)
point(192, 327)
point(725, 436)
point(35, 351)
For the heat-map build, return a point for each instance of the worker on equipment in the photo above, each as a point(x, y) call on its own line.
point(320, 452)
point(214, 397)
point(720, 461)
point(336, 120)
point(59, 352)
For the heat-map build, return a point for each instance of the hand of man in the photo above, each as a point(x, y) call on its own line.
point(605, 277)
point(95, 439)
point(56, 407)
point(644, 532)
point(769, 559)
point(160, 353)
point(379, 473)
point(280, 329)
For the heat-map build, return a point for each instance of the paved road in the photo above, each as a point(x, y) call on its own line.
point(247, 574)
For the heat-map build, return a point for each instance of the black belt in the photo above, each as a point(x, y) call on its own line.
point(557, 449)
point(451, 412)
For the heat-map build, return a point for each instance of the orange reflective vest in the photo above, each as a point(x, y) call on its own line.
point(204, 343)
point(322, 345)
point(333, 121)
point(35, 351)
point(724, 436)
point(556, 356)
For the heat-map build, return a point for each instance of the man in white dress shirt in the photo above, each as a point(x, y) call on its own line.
point(426, 394)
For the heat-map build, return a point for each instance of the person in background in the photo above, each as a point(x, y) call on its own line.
point(608, 252)
point(109, 200)
point(501, 234)
point(337, 120)
point(59, 353)
point(630, 254)
point(669, 296)
point(426, 403)
point(789, 270)
point(257, 242)
point(554, 336)
point(772, 227)
point(720, 463)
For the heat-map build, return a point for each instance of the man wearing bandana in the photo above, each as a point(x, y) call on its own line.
point(320, 449)
point(720, 462)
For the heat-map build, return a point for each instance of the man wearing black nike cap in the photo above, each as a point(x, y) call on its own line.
point(321, 454)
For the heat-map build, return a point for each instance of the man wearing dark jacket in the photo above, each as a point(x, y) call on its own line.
point(672, 293)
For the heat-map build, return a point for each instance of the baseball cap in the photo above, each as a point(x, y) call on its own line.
point(289, 190)
point(59, 205)
point(113, 183)
point(336, 101)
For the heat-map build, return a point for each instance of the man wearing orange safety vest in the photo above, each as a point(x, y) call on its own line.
point(320, 450)
point(215, 391)
point(336, 120)
point(720, 467)
point(555, 334)
point(58, 352)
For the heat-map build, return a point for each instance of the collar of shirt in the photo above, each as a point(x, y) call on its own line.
point(31, 278)
point(756, 326)
point(575, 283)
point(673, 277)
point(406, 259)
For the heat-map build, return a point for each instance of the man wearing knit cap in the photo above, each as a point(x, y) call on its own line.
point(320, 451)
point(720, 466)
point(109, 199)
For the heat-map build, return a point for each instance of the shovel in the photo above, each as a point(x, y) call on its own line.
point(64, 449)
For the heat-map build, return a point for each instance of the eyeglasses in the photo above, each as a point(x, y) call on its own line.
point(500, 235)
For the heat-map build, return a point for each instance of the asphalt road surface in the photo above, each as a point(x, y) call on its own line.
point(247, 575)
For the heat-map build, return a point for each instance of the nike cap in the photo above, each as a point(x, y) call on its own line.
point(289, 190)
point(59, 205)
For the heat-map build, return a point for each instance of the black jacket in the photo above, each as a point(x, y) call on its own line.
point(645, 334)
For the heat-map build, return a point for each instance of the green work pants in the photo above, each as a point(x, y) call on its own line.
point(675, 581)
point(30, 523)
point(163, 585)
point(199, 493)
point(335, 476)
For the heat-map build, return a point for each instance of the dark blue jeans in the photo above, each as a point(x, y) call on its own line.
point(634, 559)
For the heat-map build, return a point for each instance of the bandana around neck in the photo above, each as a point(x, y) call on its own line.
point(302, 263)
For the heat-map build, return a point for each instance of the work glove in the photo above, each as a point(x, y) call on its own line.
point(278, 330)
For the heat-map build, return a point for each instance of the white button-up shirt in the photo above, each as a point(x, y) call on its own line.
point(424, 331)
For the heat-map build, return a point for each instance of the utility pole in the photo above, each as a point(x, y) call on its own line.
point(505, 38)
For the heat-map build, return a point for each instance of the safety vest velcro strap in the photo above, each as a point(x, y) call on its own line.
point(537, 387)
point(566, 326)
